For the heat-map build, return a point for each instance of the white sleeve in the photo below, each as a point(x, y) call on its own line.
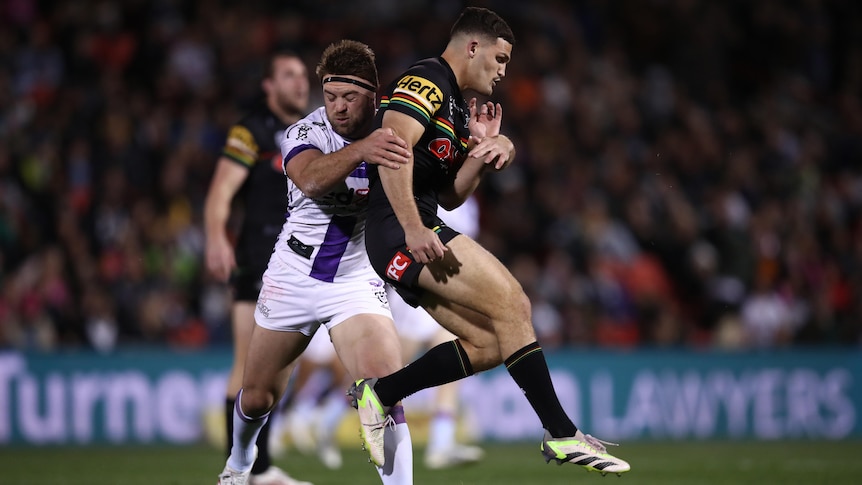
point(301, 136)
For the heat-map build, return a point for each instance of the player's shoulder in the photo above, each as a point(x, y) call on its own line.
point(256, 114)
point(433, 69)
point(310, 129)
point(314, 121)
point(431, 65)
point(258, 120)
point(421, 90)
point(316, 118)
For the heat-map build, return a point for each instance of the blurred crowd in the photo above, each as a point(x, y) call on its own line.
point(689, 172)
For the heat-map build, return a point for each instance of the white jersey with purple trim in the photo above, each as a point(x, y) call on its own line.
point(323, 237)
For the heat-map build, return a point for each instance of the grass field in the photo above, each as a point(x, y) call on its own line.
point(784, 463)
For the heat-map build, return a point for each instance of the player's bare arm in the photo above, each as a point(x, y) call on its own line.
point(424, 244)
point(316, 173)
point(487, 147)
point(465, 183)
point(228, 178)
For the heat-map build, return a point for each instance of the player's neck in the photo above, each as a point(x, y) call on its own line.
point(286, 117)
point(458, 66)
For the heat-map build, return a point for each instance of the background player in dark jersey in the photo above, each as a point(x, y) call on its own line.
point(250, 165)
point(464, 287)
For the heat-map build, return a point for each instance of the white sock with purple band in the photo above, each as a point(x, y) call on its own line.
point(245, 431)
point(398, 450)
point(332, 412)
point(441, 435)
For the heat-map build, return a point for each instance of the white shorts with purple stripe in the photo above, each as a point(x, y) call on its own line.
point(295, 302)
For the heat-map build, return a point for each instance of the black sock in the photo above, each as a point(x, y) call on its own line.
point(442, 364)
point(263, 460)
point(229, 403)
point(530, 371)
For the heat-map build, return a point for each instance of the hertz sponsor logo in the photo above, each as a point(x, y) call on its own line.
point(423, 90)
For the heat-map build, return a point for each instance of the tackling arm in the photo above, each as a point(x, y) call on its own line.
point(316, 173)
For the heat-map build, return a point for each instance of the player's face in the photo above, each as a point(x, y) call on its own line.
point(489, 66)
point(349, 108)
point(289, 84)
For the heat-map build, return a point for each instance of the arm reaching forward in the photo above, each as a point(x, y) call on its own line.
point(316, 173)
point(487, 148)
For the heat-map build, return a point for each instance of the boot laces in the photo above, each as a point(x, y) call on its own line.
point(598, 444)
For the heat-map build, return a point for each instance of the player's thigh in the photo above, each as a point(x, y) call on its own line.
point(470, 276)
point(474, 329)
point(269, 355)
point(440, 336)
point(242, 325)
point(368, 345)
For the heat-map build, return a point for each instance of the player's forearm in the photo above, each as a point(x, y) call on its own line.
point(325, 172)
point(216, 213)
point(464, 185)
point(227, 180)
point(398, 185)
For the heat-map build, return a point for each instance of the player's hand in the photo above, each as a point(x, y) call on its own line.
point(496, 150)
point(485, 120)
point(424, 245)
point(220, 259)
point(383, 147)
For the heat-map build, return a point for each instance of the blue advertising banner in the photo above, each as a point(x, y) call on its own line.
point(128, 397)
point(685, 395)
point(161, 396)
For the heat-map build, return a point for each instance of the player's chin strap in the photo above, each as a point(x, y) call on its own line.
point(342, 79)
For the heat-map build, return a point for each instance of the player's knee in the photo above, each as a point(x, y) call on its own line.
point(256, 402)
point(380, 363)
point(524, 307)
point(488, 358)
point(492, 356)
point(484, 353)
point(518, 309)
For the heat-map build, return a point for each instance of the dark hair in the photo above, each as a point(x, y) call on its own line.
point(350, 58)
point(481, 21)
point(269, 70)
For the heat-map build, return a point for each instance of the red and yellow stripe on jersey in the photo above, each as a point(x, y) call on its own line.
point(241, 146)
point(446, 126)
point(423, 99)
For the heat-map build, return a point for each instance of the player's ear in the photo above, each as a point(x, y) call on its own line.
point(472, 48)
point(266, 85)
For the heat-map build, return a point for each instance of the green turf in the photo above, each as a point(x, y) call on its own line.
point(783, 463)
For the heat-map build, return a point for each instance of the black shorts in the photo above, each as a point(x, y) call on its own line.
point(384, 241)
point(246, 282)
